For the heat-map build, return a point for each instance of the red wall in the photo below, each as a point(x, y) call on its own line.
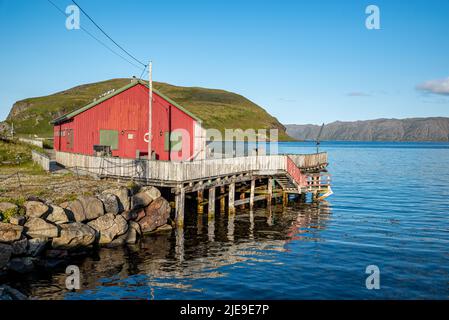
point(126, 112)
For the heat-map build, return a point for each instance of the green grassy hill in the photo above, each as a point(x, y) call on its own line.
point(217, 108)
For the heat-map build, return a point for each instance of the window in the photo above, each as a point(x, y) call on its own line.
point(109, 138)
point(175, 142)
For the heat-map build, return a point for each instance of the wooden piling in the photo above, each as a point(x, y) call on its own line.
point(251, 196)
point(200, 200)
point(269, 191)
point(222, 199)
point(242, 197)
point(284, 199)
point(211, 206)
point(179, 214)
point(231, 198)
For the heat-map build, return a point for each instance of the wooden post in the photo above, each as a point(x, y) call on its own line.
point(211, 206)
point(251, 196)
point(269, 191)
point(284, 199)
point(231, 198)
point(180, 199)
point(222, 200)
point(242, 197)
point(200, 199)
point(211, 227)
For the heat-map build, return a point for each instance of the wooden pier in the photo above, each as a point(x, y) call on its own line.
point(253, 178)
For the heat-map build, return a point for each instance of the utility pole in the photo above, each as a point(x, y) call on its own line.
point(150, 110)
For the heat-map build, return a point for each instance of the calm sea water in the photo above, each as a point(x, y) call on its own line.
point(390, 208)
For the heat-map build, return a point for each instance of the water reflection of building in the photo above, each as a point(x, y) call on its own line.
point(174, 260)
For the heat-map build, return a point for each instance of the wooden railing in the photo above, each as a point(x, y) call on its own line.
point(295, 172)
point(306, 161)
point(181, 171)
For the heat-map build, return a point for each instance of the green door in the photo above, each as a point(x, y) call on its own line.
point(109, 138)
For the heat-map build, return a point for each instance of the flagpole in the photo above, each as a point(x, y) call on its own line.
point(150, 111)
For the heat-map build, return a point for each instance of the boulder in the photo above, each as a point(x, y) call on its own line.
point(8, 293)
point(36, 209)
point(140, 214)
point(56, 254)
point(39, 228)
point(133, 233)
point(153, 192)
point(109, 226)
point(74, 235)
point(57, 215)
point(86, 208)
point(10, 232)
point(5, 254)
point(140, 200)
point(8, 207)
point(36, 246)
point(156, 215)
point(17, 220)
point(20, 246)
point(21, 264)
point(130, 215)
point(111, 202)
point(164, 228)
point(122, 194)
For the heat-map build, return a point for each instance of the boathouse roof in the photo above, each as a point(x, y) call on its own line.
point(133, 83)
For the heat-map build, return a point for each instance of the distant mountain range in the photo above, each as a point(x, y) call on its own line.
point(411, 129)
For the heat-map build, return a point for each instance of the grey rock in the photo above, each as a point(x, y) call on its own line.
point(35, 209)
point(131, 236)
point(122, 194)
point(7, 206)
point(129, 215)
point(20, 246)
point(36, 246)
point(39, 228)
point(86, 208)
point(57, 215)
point(5, 254)
point(10, 232)
point(21, 265)
point(153, 192)
point(164, 228)
point(74, 235)
point(111, 202)
point(140, 200)
point(109, 226)
point(17, 220)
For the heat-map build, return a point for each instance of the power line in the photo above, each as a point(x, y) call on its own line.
point(135, 59)
point(95, 38)
point(143, 71)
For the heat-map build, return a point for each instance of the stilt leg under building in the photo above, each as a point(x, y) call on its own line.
point(211, 206)
point(180, 200)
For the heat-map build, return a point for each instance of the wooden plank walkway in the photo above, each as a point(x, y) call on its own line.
point(298, 174)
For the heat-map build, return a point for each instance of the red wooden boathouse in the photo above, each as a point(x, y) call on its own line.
point(120, 120)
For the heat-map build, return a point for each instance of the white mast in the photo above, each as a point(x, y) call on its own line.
point(150, 111)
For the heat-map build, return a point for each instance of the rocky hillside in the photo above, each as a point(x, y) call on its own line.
point(412, 129)
point(217, 108)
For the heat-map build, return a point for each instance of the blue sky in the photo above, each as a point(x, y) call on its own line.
point(303, 61)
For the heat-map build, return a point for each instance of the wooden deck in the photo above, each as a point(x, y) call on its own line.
point(299, 174)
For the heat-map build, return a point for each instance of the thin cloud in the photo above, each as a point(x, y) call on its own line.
point(358, 94)
point(439, 86)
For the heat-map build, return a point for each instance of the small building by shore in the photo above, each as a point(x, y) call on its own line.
point(119, 121)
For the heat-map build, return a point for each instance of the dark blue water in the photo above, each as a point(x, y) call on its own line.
point(390, 208)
